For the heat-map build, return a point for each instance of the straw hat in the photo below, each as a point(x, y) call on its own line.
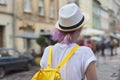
point(71, 18)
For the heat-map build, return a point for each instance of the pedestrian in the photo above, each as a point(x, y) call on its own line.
point(115, 43)
point(103, 49)
point(33, 53)
point(111, 47)
point(67, 29)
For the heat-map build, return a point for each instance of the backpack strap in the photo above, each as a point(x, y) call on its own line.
point(67, 57)
point(64, 60)
point(50, 57)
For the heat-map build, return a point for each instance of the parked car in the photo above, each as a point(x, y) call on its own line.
point(10, 60)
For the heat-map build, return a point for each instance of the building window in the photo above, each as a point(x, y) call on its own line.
point(27, 6)
point(41, 8)
point(52, 9)
point(96, 15)
point(2, 1)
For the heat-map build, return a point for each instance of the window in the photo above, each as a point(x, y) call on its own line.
point(2, 1)
point(27, 6)
point(41, 8)
point(96, 16)
point(52, 9)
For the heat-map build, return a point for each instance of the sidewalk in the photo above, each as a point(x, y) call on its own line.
point(108, 68)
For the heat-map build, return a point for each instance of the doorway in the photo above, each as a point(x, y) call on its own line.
point(1, 35)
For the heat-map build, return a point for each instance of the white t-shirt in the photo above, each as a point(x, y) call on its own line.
point(76, 66)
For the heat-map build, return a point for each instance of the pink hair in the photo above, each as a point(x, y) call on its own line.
point(66, 37)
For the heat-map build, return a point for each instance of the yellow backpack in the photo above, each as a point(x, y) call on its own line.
point(50, 73)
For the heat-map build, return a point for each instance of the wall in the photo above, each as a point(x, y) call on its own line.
point(6, 21)
point(86, 6)
point(38, 22)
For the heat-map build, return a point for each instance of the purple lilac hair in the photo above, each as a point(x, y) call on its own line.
point(66, 37)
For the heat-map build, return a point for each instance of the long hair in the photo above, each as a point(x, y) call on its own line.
point(66, 37)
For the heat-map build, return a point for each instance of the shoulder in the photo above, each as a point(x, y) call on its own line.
point(84, 48)
point(47, 48)
point(46, 51)
point(85, 51)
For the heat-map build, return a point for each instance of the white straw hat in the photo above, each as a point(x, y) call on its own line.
point(71, 18)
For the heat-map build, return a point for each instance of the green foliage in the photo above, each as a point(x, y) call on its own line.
point(41, 41)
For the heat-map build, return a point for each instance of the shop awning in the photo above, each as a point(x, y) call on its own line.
point(27, 35)
point(116, 36)
point(96, 38)
point(92, 32)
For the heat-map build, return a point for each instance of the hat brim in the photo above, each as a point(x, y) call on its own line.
point(86, 18)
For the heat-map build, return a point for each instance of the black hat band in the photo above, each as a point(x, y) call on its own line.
point(74, 26)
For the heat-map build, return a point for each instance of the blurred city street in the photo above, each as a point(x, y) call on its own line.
point(25, 31)
point(108, 68)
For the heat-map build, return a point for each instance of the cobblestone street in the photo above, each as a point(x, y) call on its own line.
point(21, 75)
point(108, 70)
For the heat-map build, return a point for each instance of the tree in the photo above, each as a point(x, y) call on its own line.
point(41, 41)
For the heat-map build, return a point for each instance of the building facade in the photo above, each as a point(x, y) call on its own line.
point(6, 24)
point(112, 7)
point(117, 13)
point(87, 7)
point(104, 19)
point(32, 17)
point(22, 20)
